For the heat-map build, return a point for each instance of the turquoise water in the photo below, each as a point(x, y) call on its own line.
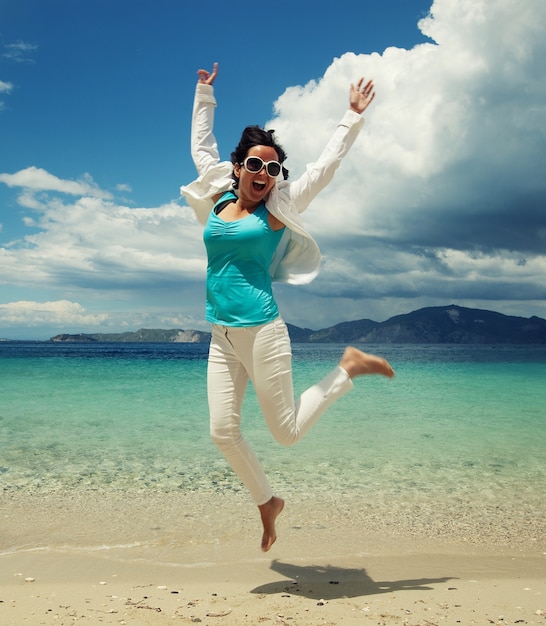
point(461, 422)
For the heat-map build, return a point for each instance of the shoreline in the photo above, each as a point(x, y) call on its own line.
point(194, 558)
point(175, 521)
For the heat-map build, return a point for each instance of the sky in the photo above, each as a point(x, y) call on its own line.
point(441, 200)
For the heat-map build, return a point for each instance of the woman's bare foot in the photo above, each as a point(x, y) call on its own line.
point(269, 513)
point(358, 363)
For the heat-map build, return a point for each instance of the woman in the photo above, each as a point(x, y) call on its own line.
point(254, 235)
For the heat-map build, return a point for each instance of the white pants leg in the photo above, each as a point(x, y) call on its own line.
point(263, 355)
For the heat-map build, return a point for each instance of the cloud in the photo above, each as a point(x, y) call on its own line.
point(62, 312)
point(19, 52)
point(150, 260)
point(92, 245)
point(37, 179)
point(5, 88)
point(92, 242)
point(64, 316)
point(444, 191)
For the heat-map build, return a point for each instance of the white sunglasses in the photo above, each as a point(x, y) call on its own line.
point(254, 164)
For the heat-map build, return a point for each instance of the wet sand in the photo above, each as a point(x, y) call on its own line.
point(155, 558)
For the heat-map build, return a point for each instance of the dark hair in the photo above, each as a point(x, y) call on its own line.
point(256, 136)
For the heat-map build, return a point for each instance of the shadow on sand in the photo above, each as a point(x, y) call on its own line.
point(330, 582)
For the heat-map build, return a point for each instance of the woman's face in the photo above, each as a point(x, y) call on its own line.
point(255, 186)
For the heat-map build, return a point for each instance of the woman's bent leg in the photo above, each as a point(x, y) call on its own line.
point(271, 373)
point(227, 380)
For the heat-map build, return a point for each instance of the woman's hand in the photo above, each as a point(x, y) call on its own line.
point(207, 78)
point(361, 97)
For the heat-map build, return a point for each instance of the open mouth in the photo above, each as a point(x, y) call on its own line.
point(258, 186)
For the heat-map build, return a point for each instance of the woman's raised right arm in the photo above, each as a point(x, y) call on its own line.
point(204, 149)
point(214, 175)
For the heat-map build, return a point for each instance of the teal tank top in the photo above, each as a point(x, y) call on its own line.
point(239, 254)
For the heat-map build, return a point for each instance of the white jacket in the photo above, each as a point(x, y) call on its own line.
point(297, 258)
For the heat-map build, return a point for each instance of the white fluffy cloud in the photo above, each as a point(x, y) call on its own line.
point(37, 179)
point(65, 316)
point(62, 312)
point(98, 244)
point(84, 244)
point(443, 193)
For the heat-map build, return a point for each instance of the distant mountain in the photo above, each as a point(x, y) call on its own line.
point(350, 332)
point(443, 324)
point(299, 335)
point(149, 335)
point(446, 324)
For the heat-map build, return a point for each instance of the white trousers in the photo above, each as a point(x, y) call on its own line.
point(261, 354)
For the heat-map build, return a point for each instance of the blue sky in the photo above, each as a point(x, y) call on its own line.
point(441, 200)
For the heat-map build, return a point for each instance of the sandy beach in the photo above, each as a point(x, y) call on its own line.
point(148, 558)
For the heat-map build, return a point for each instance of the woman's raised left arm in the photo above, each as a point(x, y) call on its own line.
point(321, 172)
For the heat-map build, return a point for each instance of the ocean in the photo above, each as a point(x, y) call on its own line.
point(455, 442)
